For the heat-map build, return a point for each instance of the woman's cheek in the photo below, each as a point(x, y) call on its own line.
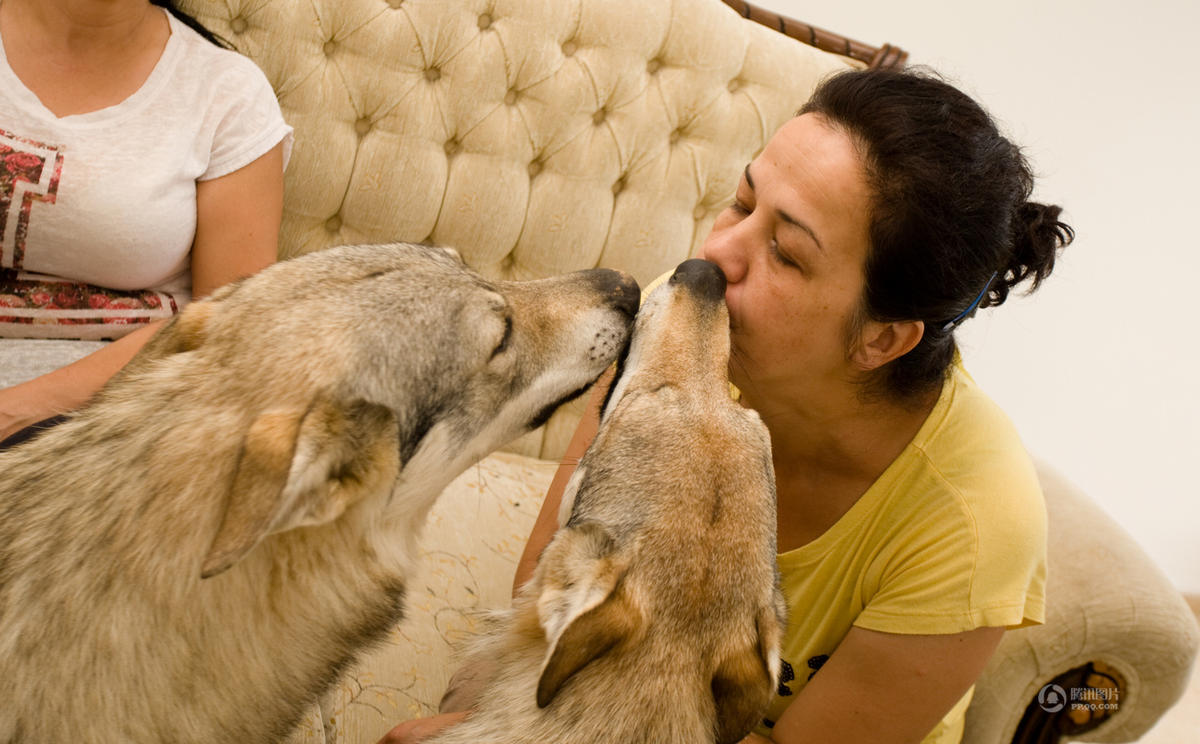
point(733, 303)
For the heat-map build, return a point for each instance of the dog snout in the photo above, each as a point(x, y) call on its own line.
point(703, 278)
point(621, 288)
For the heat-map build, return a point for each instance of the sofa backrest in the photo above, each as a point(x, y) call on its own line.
point(536, 136)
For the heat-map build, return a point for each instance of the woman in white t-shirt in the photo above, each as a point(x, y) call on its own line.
point(141, 165)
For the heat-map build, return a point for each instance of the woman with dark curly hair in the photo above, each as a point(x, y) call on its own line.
point(141, 165)
point(911, 526)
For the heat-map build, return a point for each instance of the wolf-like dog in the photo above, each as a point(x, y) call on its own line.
point(196, 555)
point(654, 614)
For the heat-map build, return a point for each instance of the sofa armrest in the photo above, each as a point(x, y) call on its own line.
point(1110, 614)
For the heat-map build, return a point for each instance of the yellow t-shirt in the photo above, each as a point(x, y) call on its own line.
point(951, 537)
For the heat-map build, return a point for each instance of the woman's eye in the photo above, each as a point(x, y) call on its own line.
point(739, 208)
point(773, 247)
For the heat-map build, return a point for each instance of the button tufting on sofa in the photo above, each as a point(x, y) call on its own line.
point(239, 25)
point(433, 74)
point(569, 48)
point(334, 223)
point(363, 125)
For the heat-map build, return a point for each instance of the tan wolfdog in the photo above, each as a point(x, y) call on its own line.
point(654, 614)
point(197, 555)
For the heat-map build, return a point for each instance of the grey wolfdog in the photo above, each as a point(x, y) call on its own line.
point(196, 555)
point(654, 614)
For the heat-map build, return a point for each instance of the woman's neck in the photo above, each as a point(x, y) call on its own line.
point(80, 29)
point(79, 56)
point(837, 433)
point(828, 449)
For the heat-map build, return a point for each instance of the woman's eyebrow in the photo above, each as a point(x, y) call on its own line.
point(784, 216)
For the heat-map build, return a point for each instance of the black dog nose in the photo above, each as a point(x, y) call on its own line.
point(703, 277)
point(620, 287)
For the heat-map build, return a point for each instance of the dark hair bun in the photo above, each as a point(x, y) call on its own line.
point(1037, 237)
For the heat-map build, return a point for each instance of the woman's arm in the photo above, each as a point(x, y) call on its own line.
point(885, 688)
point(69, 387)
point(237, 223)
point(547, 520)
point(237, 233)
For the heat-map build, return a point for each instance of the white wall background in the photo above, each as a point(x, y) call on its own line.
point(1100, 369)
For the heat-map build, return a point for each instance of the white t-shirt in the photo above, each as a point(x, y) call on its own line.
point(108, 197)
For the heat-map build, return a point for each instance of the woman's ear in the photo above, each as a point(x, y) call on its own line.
point(880, 343)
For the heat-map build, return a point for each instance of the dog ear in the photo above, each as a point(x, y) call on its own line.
point(303, 467)
point(745, 680)
point(581, 608)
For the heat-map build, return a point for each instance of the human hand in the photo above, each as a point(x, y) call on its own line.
point(419, 729)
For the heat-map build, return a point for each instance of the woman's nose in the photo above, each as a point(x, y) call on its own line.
point(726, 247)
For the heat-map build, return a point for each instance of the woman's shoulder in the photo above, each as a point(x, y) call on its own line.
point(962, 538)
point(971, 441)
point(975, 466)
point(965, 481)
point(211, 65)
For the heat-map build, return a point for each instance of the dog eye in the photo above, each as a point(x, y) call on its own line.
point(508, 326)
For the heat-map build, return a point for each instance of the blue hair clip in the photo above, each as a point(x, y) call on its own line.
point(974, 304)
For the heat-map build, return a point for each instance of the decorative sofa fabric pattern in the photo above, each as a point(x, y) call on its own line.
point(545, 136)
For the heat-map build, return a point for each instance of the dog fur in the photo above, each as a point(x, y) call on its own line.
point(654, 614)
point(199, 553)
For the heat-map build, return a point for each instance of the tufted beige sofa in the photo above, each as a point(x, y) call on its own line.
point(538, 137)
point(544, 136)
